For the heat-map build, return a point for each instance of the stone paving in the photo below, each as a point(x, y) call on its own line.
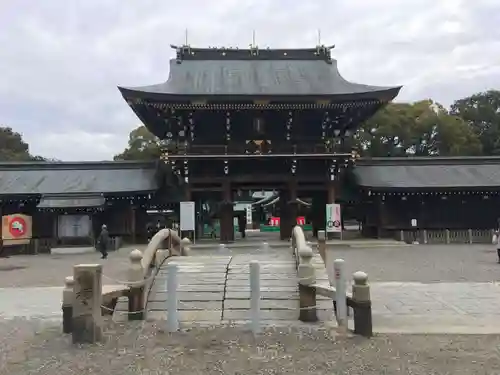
point(215, 289)
point(435, 289)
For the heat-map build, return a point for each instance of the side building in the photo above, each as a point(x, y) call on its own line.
point(445, 196)
point(67, 203)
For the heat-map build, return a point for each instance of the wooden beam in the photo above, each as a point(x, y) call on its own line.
point(328, 156)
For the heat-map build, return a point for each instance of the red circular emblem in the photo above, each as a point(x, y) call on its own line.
point(17, 227)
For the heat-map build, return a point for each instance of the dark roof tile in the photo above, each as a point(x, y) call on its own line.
point(76, 178)
point(428, 173)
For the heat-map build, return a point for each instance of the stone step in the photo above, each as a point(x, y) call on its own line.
point(190, 288)
point(282, 295)
point(186, 305)
point(189, 296)
point(269, 304)
point(194, 316)
point(323, 315)
point(264, 283)
point(274, 288)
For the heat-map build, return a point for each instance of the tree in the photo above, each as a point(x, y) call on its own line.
point(422, 128)
point(13, 147)
point(142, 145)
point(481, 112)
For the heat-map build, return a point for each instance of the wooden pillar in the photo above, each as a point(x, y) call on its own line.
point(227, 214)
point(292, 206)
point(288, 208)
point(381, 216)
point(285, 229)
point(133, 224)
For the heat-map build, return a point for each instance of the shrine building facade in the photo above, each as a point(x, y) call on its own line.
point(246, 119)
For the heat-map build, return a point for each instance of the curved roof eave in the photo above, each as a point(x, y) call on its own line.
point(382, 93)
point(235, 79)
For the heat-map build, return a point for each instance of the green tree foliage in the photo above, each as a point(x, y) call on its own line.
point(481, 112)
point(422, 128)
point(142, 145)
point(13, 148)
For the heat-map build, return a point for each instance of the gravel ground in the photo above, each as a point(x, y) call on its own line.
point(416, 263)
point(22, 271)
point(142, 348)
point(423, 263)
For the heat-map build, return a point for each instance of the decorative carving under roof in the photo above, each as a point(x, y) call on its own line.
point(187, 52)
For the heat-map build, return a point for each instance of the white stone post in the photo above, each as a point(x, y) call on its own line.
point(340, 292)
point(265, 246)
point(87, 316)
point(470, 236)
point(185, 249)
point(67, 304)
point(172, 310)
point(255, 296)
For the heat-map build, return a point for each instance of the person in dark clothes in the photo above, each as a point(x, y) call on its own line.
point(150, 230)
point(103, 241)
point(242, 225)
point(159, 226)
point(496, 241)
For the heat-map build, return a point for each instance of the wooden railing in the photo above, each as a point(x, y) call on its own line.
point(359, 300)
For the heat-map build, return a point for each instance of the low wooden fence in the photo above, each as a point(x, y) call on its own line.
point(446, 236)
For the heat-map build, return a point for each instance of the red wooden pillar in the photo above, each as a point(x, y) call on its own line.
point(227, 214)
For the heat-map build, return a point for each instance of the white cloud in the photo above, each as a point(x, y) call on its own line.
point(60, 61)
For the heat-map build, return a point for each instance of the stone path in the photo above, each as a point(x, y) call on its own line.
point(214, 289)
point(436, 307)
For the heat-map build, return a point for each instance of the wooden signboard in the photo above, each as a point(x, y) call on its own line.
point(16, 229)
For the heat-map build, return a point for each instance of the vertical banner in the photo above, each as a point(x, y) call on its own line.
point(333, 218)
point(187, 216)
point(16, 229)
point(249, 214)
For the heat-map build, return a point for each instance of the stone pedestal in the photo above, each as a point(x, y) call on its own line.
point(87, 317)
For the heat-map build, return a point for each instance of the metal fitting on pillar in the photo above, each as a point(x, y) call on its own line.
point(294, 166)
point(191, 125)
point(228, 126)
point(289, 124)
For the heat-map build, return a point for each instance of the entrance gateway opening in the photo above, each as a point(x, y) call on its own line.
point(234, 122)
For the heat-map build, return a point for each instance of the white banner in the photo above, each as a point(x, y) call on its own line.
point(249, 214)
point(187, 216)
point(333, 218)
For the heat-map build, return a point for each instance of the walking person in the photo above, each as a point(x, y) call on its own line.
point(103, 241)
point(496, 239)
point(242, 224)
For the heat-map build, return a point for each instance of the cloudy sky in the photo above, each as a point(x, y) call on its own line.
point(61, 60)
